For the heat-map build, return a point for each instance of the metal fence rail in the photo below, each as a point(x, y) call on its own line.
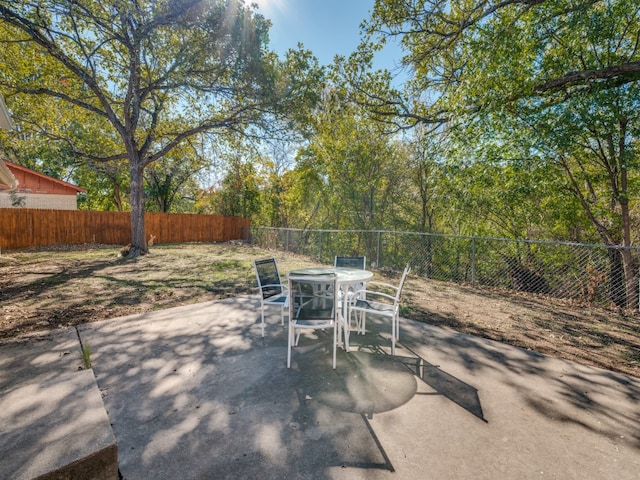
point(590, 274)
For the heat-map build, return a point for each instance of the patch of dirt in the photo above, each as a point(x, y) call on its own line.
point(42, 289)
point(607, 339)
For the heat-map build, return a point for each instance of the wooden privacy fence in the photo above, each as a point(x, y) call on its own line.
point(22, 227)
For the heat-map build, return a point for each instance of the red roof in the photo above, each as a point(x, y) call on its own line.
point(35, 182)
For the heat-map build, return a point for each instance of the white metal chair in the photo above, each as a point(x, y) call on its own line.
point(272, 290)
point(350, 262)
point(378, 302)
point(312, 306)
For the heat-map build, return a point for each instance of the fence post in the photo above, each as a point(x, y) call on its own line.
point(473, 261)
point(320, 247)
point(378, 251)
point(286, 241)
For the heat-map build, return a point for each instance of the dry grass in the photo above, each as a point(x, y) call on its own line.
point(60, 287)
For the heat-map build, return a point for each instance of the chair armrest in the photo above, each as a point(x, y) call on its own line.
point(363, 294)
point(385, 285)
point(284, 288)
point(375, 282)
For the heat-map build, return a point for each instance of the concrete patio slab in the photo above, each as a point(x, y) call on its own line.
point(39, 357)
point(195, 392)
point(52, 419)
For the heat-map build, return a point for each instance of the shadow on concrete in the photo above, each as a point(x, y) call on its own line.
point(52, 419)
point(456, 390)
point(196, 392)
point(557, 389)
point(206, 386)
point(445, 384)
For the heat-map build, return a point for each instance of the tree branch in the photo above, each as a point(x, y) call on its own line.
point(625, 73)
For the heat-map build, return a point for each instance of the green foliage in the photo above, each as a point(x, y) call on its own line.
point(170, 182)
point(358, 164)
point(544, 96)
point(553, 84)
point(86, 356)
point(521, 118)
point(147, 75)
point(239, 194)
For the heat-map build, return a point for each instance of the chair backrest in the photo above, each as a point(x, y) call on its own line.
point(407, 269)
point(350, 262)
point(312, 297)
point(267, 274)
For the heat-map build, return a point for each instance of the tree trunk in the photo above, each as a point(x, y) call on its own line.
point(627, 256)
point(138, 238)
point(617, 290)
point(117, 198)
point(623, 290)
point(630, 279)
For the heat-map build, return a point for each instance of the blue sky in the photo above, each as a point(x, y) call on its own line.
point(326, 27)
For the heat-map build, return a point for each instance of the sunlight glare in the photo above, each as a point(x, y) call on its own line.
point(267, 7)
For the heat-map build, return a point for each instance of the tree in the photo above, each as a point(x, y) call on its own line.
point(361, 167)
point(107, 185)
point(239, 192)
point(427, 156)
point(170, 182)
point(436, 36)
point(285, 192)
point(152, 73)
point(551, 81)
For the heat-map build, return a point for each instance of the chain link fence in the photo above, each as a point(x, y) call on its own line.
point(589, 274)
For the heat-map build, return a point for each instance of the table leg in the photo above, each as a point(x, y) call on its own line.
point(344, 320)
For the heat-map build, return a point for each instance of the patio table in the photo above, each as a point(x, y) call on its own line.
point(345, 278)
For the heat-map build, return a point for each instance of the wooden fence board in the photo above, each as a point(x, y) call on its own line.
point(22, 227)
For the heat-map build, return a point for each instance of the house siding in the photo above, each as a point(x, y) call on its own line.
point(45, 201)
point(37, 190)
